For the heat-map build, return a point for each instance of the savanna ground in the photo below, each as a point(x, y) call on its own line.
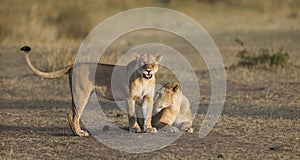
point(261, 116)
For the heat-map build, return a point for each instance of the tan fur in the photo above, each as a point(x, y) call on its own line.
point(139, 74)
point(173, 109)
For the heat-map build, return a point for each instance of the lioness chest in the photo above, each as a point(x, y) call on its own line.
point(140, 88)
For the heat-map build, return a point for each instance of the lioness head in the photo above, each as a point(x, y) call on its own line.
point(147, 64)
point(164, 97)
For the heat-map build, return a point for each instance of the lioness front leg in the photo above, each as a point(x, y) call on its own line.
point(147, 107)
point(133, 125)
point(166, 127)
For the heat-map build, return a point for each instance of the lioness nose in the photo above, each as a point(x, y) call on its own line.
point(148, 70)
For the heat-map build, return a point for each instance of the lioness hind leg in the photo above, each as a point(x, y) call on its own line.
point(75, 113)
point(70, 120)
point(74, 124)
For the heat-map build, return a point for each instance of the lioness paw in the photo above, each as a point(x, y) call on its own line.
point(150, 130)
point(186, 127)
point(82, 133)
point(135, 130)
point(189, 130)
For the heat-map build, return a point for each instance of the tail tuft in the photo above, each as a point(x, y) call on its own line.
point(25, 49)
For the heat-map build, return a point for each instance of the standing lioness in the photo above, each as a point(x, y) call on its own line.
point(140, 85)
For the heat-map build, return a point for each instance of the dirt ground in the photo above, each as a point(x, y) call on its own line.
point(260, 119)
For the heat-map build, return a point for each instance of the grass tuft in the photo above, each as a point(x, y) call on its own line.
point(266, 57)
point(60, 57)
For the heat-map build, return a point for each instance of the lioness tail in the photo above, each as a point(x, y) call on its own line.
point(55, 74)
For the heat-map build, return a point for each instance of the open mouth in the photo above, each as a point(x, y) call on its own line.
point(147, 76)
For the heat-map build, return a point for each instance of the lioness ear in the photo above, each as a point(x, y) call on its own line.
point(174, 86)
point(158, 58)
point(137, 55)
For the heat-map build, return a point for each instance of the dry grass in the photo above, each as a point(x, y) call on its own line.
point(60, 56)
point(49, 21)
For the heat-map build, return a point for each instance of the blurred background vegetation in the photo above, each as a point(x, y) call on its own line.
point(37, 21)
point(56, 28)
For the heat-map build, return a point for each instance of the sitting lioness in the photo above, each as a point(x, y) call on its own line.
point(171, 109)
point(140, 84)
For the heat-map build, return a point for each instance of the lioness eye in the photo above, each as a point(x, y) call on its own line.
point(160, 95)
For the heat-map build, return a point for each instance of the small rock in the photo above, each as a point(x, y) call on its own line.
point(105, 128)
point(220, 156)
point(119, 115)
point(275, 148)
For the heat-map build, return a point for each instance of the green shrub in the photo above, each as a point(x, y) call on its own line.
point(263, 57)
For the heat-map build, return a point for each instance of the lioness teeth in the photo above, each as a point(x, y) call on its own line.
point(148, 76)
